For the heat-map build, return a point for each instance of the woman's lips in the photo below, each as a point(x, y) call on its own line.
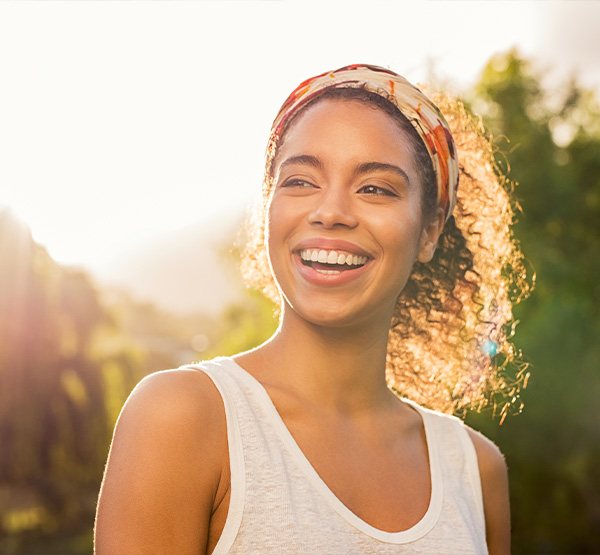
point(330, 244)
point(329, 277)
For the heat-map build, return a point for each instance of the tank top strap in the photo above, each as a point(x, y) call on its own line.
point(238, 417)
point(471, 468)
point(460, 469)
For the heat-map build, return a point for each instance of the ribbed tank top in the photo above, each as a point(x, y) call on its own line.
point(279, 504)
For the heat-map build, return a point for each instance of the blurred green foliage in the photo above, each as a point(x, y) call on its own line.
point(71, 353)
point(553, 447)
point(59, 395)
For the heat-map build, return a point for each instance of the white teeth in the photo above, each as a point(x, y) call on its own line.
point(332, 257)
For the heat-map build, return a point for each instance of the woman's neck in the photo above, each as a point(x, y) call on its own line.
point(337, 368)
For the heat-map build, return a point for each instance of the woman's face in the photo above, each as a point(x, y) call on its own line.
point(345, 224)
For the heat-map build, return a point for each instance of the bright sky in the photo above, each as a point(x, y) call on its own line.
point(123, 120)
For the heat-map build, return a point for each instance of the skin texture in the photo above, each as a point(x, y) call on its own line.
point(166, 486)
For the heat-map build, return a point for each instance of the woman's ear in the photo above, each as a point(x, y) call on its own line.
point(430, 235)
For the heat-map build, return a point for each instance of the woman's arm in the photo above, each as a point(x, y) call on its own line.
point(163, 468)
point(494, 485)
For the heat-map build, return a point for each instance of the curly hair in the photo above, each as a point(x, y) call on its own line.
point(449, 346)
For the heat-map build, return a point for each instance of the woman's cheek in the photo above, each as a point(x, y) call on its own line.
point(275, 241)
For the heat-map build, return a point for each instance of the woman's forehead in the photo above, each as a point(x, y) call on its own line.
point(342, 109)
point(345, 129)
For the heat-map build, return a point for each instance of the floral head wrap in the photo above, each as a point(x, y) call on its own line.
point(425, 117)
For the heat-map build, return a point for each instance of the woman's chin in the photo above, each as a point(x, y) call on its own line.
point(330, 315)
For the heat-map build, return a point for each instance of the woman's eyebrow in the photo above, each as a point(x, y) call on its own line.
point(361, 169)
point(302, 159)
point(368, 167)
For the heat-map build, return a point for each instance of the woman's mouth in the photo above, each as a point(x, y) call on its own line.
point(328, 266)
point(331, 261)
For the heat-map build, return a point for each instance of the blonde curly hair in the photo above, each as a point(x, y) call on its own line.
point(449, 346)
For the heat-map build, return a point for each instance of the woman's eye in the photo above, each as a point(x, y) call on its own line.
point(301, 183)
point(376, 190)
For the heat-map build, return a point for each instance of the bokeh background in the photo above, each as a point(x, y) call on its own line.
point(132, 139)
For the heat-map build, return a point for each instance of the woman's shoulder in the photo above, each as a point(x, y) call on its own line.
point(493, 477)
point(180, 407)
point(493, 472)
point(178, 391)
point(490, 459)
point(164, 466)
point(166, 400)
point(175, 407)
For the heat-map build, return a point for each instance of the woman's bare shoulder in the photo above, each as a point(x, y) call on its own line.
point(180, 393)
point(494, 486)
point(164, 466)
point(180, 407)
point(489, 456)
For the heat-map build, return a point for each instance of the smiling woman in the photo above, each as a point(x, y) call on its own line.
point(335, 435)
point(356, 189)
point(457, 311)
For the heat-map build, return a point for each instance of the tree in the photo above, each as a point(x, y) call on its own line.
point(550, 143)
point(54, 427)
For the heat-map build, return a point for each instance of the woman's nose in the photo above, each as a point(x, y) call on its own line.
point(333, 208)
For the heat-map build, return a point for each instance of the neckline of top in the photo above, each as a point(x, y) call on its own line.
point(418, 530)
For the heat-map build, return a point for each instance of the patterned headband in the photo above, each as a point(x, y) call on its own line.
point(418, 109)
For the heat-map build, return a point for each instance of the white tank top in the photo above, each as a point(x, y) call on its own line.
point(280, 505)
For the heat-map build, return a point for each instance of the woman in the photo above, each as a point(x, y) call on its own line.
point(393, 291)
